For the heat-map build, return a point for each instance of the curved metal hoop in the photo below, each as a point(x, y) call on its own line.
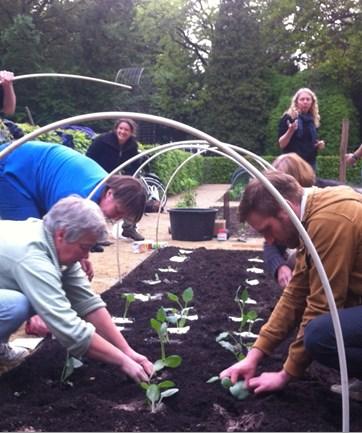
point(80, 77)
point(253, 171)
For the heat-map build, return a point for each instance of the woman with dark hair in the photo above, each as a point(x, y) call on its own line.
point(113, 148)
point(298, 127)
point(36, 175)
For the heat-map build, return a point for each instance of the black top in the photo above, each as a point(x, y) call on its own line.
point(302, 141)
point(109, 154)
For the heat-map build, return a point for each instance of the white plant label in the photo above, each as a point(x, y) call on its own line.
point(255, 270)
point(185, 252)
point(178, 258)
point(167, 270)
point(249, 335)
point(151, 282)
point(178, 330)
point(255, 260)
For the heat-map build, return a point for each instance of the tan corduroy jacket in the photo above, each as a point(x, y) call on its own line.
point(333, 220)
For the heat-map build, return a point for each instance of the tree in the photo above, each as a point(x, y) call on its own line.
point(235, 90)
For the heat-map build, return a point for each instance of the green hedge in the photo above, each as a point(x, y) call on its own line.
point(166, 164)
point(218, 170)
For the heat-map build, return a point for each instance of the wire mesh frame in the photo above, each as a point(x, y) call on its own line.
point(130, 76)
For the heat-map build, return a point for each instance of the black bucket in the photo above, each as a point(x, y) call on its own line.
point(192, 224)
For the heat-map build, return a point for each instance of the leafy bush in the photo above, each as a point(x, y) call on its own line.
point(166, 164)
point(217, 170)
point(81, 140)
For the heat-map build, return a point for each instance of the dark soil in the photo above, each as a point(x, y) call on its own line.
point(103, 399)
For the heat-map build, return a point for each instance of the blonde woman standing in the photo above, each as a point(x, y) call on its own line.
point(298, 127)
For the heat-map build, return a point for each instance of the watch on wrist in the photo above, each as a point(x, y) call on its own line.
point(354, 158)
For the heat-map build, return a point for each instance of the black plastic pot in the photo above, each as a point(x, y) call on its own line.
point(192, 224)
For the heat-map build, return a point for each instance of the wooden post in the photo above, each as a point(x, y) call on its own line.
point(227, 210)
point(343, 150)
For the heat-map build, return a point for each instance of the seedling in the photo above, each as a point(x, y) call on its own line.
point(159, 324)
point(188, 198)
point(240, 342)
point(179, 315)
point(155, 393)
point(70, 364)
point(130, 298)
point(238, 390)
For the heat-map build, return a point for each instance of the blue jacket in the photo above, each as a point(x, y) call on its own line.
point(37, 174)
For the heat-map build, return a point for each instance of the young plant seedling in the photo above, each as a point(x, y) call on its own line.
point(159, 324)
point(71, 363)
point(156, 392)
point(188, 198)
point(240, 342)
point(238, 390)
point(179, 315)
point(130, 298)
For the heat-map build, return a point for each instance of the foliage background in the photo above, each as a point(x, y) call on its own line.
point(227, 67)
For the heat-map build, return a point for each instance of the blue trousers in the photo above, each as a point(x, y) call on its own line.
point(320, 341)
point(14, 310)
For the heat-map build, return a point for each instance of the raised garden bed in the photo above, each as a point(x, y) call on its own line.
point(103, 399)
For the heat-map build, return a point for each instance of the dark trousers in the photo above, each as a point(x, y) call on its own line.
point(128, 225)
point(320, 341)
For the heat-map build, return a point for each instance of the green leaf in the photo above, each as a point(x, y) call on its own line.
point(226, 382)
point(161, 315)
point(166, 384)
point(144, 385)
point(158, 365)
point(213, 379)
point(153, 393)
point(188, 295)
point(169, 392)
point(172, 361)
point(182, 322)
point(239, 390)
point(172, 297)
point(156, 325)
point(129, 297)
point(163, 329)
point(244, 295)
point(251, 315)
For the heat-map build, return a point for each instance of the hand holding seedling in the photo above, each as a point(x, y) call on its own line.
point(245, 368)
point(141, 360)
point(134, 370)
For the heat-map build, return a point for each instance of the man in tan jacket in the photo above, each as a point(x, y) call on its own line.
point(333, 219)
